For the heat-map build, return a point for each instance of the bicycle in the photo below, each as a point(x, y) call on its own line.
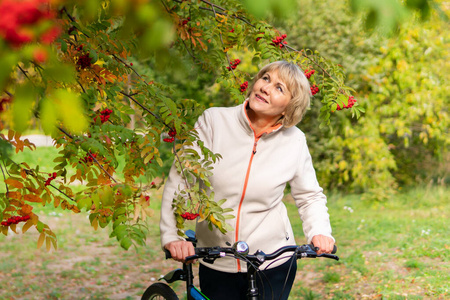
point(239, 250)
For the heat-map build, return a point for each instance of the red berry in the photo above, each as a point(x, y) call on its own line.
point(172, 133)
point(169, 140)
point(131, 64)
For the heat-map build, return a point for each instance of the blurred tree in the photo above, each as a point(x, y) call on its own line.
point(403, 138)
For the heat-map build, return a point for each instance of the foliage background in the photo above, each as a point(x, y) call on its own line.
point(157, 65)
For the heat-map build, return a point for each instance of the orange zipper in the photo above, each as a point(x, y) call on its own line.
point(243, 196)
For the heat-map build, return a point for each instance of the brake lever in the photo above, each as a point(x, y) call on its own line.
point(332, 256)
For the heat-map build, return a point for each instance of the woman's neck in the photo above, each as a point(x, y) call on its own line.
point(260, 124)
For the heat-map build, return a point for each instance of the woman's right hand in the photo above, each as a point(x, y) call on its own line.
point(180, 249)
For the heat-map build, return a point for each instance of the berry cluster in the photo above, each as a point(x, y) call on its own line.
point(84, 61)
point(184, 22)
point(314, 89)
point(90, 158)
point(244, 86)
point(234, 64)
point(189, 216)
point(104, 115)
point(15, 220)
point(50, 178)
point(172, 134)
point(232, 30)
point(351, 102)
point(309, 73)
point(4, 101)
point(169, 140)
point(279, 41)
point(20, 18)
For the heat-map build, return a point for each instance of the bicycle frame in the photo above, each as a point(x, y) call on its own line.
point(186, 274)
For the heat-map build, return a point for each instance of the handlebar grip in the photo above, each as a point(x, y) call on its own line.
point(334, 250)
point(167, 252)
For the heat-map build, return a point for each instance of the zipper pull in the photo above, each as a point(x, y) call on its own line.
point(254, 148)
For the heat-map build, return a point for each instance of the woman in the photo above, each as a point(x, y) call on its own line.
point(262, 151)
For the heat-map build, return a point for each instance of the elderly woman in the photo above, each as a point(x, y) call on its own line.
point(262, 151)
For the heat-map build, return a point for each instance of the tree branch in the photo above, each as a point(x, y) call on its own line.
point(90, 155)
point(62, 192)
point(4, 179)
point(146, 109)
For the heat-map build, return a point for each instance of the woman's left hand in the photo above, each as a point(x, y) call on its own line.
point(324, 243)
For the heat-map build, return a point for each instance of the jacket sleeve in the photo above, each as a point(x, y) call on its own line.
point(309, 197)
point(175, 182)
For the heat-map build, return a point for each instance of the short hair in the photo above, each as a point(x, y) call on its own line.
point(298, 86)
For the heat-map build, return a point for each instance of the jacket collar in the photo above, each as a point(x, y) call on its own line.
point(247, 125)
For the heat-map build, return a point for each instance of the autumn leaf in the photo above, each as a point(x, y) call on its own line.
point(32, 198)
point(14, 195)
point(41, 240)
point(27, 225)
point(14, 183)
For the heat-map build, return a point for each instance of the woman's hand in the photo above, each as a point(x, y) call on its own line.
point(180, 250)
point(324, 243)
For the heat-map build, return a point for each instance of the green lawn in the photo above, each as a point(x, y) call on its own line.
point(399, 249)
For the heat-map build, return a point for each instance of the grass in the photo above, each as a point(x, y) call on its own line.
point(399, 249)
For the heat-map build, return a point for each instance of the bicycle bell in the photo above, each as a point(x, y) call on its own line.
point(241, 248)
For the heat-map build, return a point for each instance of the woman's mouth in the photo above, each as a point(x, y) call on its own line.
point(261, 98)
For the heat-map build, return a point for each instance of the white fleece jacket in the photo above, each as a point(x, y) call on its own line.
point(252, 176)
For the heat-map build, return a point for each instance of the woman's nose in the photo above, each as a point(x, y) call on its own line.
point(265, 88)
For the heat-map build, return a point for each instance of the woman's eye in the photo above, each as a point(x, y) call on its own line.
point(266, 78)
point(280, 89)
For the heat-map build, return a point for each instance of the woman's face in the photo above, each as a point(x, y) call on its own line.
point(269, 97)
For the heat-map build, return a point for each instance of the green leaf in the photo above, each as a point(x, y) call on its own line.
point(126, 243)
point(22, 106)
point(49, 117)
point(60, 73)
point(70, 110)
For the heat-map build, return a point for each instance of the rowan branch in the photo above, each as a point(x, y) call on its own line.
point(90, 155)
point(146, 109)
point(4, 179)
point(223, 44)
point(62, 192)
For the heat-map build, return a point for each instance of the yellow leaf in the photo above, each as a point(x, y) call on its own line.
point(48, 243)
point(137, 210)
point(148, 211)
point(55, 245)
point(13, 227)
point(14, 195)
point(146, 150)
point(5, 230)
point(56, 202)
point(14, 183)
point(26, 209)
point(10, 134)
point(147, 159)
point(32, 198)
point(41, 240)
point(95, 223)
point(27, 225)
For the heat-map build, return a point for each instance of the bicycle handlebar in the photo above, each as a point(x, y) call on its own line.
point(240, 251)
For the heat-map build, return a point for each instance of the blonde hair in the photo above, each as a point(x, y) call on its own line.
point(298, 86)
